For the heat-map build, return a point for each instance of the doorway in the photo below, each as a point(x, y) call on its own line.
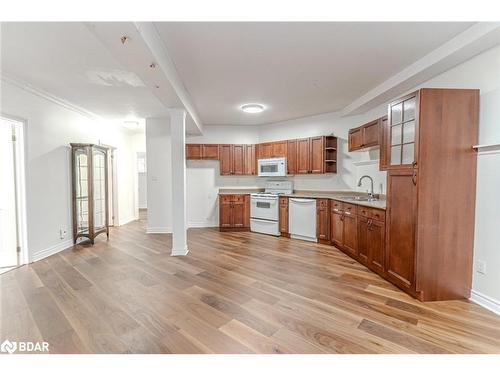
point(12, 203)
point(142, 189)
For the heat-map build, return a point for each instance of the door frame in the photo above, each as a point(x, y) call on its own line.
point(113, 186)
point(24, 257)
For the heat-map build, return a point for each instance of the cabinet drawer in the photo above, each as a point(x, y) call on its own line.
point(225, 198)
point(372, 213)
point(349, 209)
point(283, 201)
point(322, 203)
point(238, 198)
point(337, 206)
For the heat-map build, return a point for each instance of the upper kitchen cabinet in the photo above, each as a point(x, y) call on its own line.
point(364, 136)
point(272, 150)
point(291, 162)
point(403, 132)
point(431, 192)
point(193, 152)
point(232, 160)
point(202, 152)
point(313, 155)
point(250, 160)
point(384, 130)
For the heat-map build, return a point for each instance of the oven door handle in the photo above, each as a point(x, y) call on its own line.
point(264, 220)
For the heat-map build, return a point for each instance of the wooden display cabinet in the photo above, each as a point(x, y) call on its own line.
point(90, 191)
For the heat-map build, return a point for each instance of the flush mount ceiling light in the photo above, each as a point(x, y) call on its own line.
point(252, 108)
point(132, 125)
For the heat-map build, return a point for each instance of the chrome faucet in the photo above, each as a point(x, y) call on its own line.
point(370, 195)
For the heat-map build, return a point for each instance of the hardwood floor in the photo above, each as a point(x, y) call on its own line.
point(233, 293)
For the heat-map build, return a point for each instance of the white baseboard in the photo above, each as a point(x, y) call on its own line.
point(179, 252)
point(485, 301)
point(127, 220)
point(202, 224)
point(51, 250)
point(155, 230)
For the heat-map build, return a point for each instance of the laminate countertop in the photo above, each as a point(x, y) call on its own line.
point(337, 195)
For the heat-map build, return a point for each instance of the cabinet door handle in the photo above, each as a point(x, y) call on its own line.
point(414, 177)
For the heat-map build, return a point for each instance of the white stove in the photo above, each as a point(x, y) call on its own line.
point(264, 207)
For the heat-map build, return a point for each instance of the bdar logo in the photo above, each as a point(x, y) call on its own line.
point(8, 347)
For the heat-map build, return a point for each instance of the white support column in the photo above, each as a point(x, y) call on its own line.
point(179, 213)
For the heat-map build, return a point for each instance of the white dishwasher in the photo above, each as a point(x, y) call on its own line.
point(302, 219)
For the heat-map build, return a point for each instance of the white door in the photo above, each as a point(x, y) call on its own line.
point(8, 217)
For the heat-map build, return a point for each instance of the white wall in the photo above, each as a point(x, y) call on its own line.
point(50, 128)
point(159, 189)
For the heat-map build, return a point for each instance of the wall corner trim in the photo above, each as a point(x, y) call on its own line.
point(485, 301)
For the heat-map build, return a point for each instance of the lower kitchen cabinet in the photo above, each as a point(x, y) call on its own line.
point(323, 220)
point(350, 243)
point(234, 212)
point(402, 221)
point(343, 227)
point(283, 217)
point(371, 243)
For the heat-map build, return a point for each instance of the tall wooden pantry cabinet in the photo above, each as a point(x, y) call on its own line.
point(431, 188)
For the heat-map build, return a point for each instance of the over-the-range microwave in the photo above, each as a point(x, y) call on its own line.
point(274, 167)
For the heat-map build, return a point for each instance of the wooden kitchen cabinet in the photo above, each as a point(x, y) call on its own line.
point(337, 227)
point(317, 157)
point(279, 149)
point(210, 152)
point(193, 152)
point(350, 243)
point(283, 217)
point(323, 220)
point(355, 139)
point(238, 159)
point(371, 243)
point(264, 150)
point(303, 156)
point(384, 141)
point(431, 177)
point(234, 212)
point(202, 152)
point(365, 136)
point(233, 160)
point(291, 162)
point(226, 160)
point(250, 160)
point(343, 227)
point(401, 221)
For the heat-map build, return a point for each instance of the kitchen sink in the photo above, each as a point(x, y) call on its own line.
point(359, 198)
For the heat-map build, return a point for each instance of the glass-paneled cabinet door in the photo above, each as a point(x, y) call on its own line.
point(81, 169)
point(402, 132)
point(99, 179)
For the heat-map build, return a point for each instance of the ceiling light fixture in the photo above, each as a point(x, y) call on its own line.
point(252, 108)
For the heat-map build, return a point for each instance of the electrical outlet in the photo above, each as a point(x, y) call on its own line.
point(481, 267)
point(62, 233)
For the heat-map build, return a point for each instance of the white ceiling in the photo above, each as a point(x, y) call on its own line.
point(296, 69)
point(68, 61)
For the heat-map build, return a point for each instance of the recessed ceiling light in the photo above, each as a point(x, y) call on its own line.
point(252, 108)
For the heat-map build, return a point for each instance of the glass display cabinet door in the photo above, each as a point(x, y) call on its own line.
point(99, 186)
point(82, 191)
point(402, 133)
